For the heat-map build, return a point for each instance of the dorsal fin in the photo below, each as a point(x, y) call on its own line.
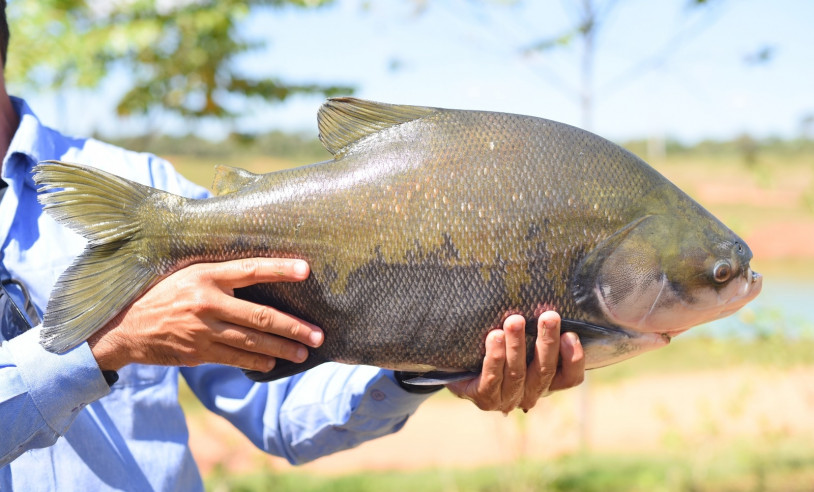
point(231, 179)
point(345, 120)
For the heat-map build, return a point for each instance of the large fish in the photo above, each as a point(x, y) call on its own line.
point(425, 231)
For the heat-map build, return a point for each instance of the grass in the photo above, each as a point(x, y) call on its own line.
point(785, 464)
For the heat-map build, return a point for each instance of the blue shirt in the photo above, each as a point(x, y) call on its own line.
point(62, 427)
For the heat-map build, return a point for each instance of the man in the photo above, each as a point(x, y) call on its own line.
point(105, 415)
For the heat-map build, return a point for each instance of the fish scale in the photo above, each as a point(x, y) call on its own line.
point(424, 232)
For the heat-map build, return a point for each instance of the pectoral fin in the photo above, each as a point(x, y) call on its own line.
point(284, 368)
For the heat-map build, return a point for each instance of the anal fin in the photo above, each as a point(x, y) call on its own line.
point(283, 369)
point(438, 377)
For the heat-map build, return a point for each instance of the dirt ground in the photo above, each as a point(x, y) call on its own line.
point(646, 413)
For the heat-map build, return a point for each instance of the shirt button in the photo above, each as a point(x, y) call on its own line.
point(378, 395)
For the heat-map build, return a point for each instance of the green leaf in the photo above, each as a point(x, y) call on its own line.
point(181, 57)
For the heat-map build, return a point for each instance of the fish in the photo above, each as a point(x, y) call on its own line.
point(426, 229)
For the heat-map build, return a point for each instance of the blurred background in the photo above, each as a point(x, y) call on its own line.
point(718, 95)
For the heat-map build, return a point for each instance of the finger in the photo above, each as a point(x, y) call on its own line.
point(254, 341)
point(486, 390)
point(514, 369)
point(572, 372)
point(268, 320)
point(543, 367)
point(230, 356)
point(249, 271)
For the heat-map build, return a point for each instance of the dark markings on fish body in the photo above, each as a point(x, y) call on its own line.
point(532, 232)
point(442, 322)
point(447, 250)
point(329, 275)
point(415, 255)
point(541, 282)
point(582, 283)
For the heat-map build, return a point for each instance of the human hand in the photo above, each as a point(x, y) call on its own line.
point(192, 317)
point(505, 382)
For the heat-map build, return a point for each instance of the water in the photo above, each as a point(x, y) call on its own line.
point(783, 307)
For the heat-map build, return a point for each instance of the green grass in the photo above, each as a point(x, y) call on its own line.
point(779, 464)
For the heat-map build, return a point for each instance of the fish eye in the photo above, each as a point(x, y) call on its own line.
point(722, 271)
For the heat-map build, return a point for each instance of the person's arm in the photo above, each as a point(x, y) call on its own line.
point(42, 393)
point(327, 409)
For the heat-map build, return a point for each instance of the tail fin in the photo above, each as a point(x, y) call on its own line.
point(112, 272)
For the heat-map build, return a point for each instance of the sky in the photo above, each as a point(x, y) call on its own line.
point(661, 69)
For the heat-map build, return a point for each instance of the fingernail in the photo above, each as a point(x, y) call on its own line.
point(315, 338)
point(271, 363)
point(302, 354)
point(300, 268)
point(573, 339)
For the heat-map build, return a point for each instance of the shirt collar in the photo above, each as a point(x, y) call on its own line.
point(32, 142)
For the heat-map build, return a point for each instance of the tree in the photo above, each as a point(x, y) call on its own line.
point(589, 17)
point(181, 53)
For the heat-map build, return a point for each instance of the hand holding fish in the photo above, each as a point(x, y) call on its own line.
point(506, 383)
point(192, 317)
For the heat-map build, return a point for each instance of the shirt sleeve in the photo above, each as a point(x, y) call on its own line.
point(321, 411)
point(41, 393)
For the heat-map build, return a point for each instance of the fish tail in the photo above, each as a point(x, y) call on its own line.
point(111, 272)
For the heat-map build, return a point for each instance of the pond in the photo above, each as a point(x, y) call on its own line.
point(785, 306)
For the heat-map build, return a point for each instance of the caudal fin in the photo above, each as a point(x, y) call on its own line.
point(112, 272)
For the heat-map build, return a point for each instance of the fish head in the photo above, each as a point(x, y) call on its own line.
point(665, 273)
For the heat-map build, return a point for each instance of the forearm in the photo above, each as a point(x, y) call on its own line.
point(351, 405)
point(42, 393)
point(324, 410)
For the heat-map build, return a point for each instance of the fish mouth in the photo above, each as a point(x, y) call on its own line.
point(750, 290)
